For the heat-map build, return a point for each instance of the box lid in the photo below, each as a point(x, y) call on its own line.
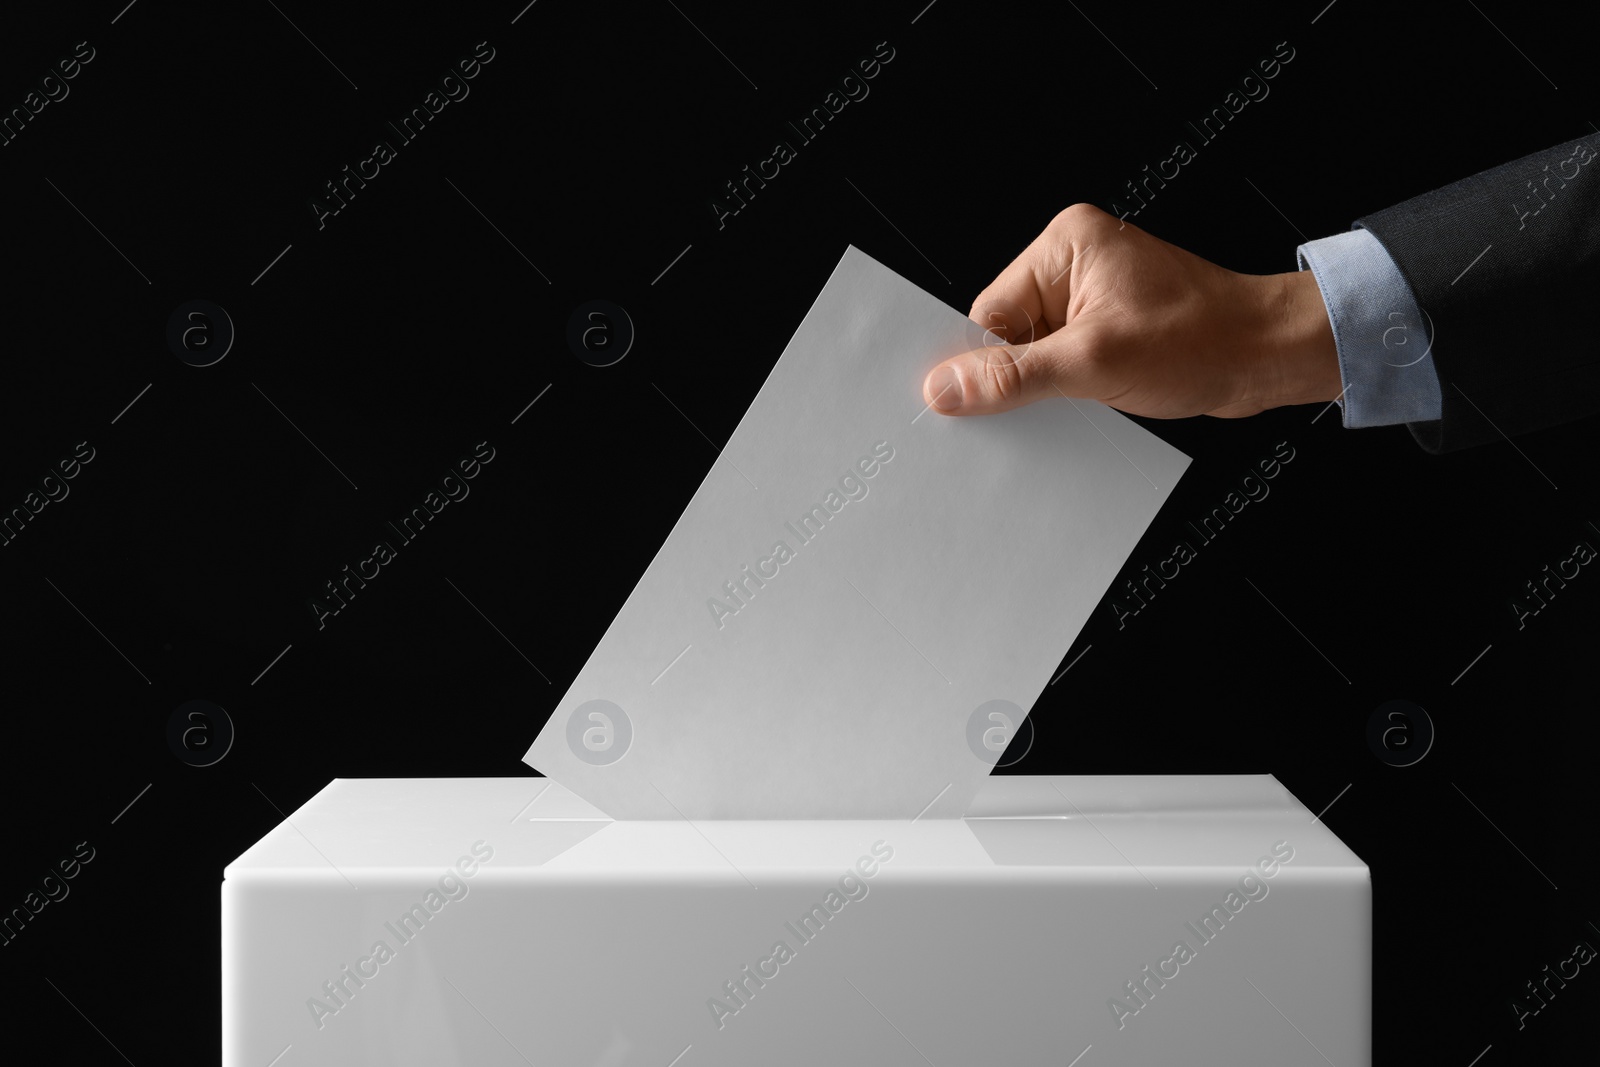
point(373, 829)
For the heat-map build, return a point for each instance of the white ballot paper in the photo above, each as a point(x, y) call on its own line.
point(855, 612)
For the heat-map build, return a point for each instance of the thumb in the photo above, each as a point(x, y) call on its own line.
point(997, 378)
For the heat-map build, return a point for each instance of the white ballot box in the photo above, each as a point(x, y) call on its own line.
point(1087, 921)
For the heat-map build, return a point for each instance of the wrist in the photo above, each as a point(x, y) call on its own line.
point(1297, 361)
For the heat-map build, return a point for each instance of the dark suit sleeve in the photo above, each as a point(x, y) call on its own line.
point(1506, 266)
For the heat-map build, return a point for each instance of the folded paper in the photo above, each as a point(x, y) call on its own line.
point(863, 599)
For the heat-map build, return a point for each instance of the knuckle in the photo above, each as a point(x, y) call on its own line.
point(1006, 370)
point(1078, 218)
point(1094, 351)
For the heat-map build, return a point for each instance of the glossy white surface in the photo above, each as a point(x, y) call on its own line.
point(995, 939)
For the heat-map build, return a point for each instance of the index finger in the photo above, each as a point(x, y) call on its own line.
point(1028, 300)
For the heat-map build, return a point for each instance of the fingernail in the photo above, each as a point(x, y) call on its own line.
point(945, 388)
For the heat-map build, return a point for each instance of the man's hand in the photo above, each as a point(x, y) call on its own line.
point(1100, 309)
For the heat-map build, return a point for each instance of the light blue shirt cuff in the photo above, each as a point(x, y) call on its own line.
point(1385, 341)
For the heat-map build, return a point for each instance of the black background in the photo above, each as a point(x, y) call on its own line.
point(407, 329)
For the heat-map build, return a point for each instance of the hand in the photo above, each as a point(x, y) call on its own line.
point(1100, 309)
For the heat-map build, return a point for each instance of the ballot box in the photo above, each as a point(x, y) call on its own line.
point(1063, 921)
